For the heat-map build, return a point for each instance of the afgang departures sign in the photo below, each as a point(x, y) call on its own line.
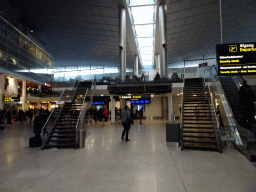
point(236, 58)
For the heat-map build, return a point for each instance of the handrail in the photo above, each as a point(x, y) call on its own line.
point(230, 116)
point(182, 111)
point(45, 141)
point(214, 126)
point(44, 127)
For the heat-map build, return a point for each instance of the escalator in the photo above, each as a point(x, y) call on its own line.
point(247, 134)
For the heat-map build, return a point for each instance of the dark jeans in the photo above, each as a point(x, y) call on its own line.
point(126, 130)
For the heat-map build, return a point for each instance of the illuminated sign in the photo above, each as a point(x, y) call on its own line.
point(98, 103)
point(11, 98)
point(130, 97)
point(236, 58)
point(140, 101)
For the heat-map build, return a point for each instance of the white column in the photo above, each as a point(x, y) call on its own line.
point(170, 109)
point(39, 88)
point(122, 104)
point(162, 33)
point(2, 91)
point(113, 112)
point(24, 89)
point(123, 44)
point(136, 67)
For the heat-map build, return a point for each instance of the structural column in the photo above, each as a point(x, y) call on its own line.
point(113, 111)
point(39, 89)
point(123, 44)
point(162, 33)
point(136, 66)
point(24, 89)
point(122, 103)
point(2, 91)
point(170, 109)
point(157, 60)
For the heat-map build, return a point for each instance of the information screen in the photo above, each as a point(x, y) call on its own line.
point(11, 98)
point(236, 58)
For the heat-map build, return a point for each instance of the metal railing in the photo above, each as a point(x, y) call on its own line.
point(227, 108)
point(81, 122)
point(52, 119)
point(214, 120)
point(182, 113)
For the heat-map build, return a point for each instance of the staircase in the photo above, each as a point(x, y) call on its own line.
point(197, 124)
point(63, 131)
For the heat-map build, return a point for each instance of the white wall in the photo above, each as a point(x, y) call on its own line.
point(154, 109)
point(176, 100)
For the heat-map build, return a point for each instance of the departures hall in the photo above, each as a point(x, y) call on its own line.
point(127, 96)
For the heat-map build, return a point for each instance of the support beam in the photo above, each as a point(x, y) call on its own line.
point(123, 44)
point(163, 46)
point(2, 91)
point(24, 89)
point(170, 109)
point(113, 111)
point(136, 66)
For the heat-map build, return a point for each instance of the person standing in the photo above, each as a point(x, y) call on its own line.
point(247, 97)
point(141, 114)
point(9, 117)
point(126, 123)
point(106, 114)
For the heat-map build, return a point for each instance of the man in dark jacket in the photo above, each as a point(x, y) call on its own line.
point(247, 97)
point(126, 123)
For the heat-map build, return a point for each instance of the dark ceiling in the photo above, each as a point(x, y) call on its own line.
point(193, 27)
point(80, 32)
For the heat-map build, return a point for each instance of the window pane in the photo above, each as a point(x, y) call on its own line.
point(144, 30)
point(146, 42)
point(147, 62)
point(141, 2)
point(146, 50)
point(143, 15)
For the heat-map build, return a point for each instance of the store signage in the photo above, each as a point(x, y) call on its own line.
point(236, 58)
point(11, 98)
point(48, 85)
point(147, 101)
point(45, 102)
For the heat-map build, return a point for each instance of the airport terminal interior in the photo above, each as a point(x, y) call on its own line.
point(128, 96)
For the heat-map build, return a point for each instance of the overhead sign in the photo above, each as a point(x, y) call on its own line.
point(236, 58)
point(11, 98)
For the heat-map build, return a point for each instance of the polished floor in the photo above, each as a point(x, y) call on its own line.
point(108, 164)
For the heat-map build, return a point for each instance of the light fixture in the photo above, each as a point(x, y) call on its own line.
point(152, 95)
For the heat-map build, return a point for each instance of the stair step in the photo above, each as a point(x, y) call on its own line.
point(200, 145)
point(193, 130)
point(61, 140)
point(211, 135)
point(197, 122)
point(198, 126)
point(199, 139)
point(199, 118)
point(66, 131)
point(60, 145)
point(68, 135)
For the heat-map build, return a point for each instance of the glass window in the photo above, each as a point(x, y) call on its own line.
point(146, 42)
point(144, 30)
point(12, 60)
point(141, 2)
point(23, 41)
point(3, 56)
point(13, 38)
point(38, 52)
point(31, 48)
point(3, 32)
point(13, 31)
point(146, 17)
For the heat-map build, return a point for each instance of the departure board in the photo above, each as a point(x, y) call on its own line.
point(236, 59)
point(11, 98)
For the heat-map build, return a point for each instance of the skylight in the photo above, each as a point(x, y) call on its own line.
point(142, 13)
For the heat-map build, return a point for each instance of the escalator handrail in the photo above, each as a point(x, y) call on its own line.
point(182, 113)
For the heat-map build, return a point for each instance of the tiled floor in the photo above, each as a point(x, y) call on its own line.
point(108, 164)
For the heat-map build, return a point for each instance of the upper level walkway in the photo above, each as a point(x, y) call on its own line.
point(108, 164)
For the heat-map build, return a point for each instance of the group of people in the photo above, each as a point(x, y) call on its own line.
point(8, 116)
point(99, 115)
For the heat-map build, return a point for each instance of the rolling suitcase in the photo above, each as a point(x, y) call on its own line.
point(35, 142)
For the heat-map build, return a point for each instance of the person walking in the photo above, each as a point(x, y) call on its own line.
point(126, 123)
point(134, 111)
point(141, 114)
